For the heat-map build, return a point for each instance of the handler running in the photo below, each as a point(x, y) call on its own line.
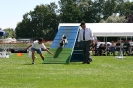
point(36, 46)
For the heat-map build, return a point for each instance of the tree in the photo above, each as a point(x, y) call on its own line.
point(129, 18)
point(124, 7)
point(10, 33)
point(94, 11)
point(69, 11)
point(23, 28)
point(114, 19)
point(41, 22)
point(74, 11)
point(44, 19)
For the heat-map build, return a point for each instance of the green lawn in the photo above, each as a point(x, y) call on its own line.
point(103, 72)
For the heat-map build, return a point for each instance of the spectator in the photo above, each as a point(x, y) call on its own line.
point(112, 48)
point(101, 50)
point(126, 46)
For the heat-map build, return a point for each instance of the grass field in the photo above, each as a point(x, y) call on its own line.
point(103, 72)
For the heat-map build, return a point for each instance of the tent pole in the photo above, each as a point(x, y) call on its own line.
point(131, 37)
point(126, 37)
point(121, 47)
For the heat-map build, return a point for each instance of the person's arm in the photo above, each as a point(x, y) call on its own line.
point(79, 39)
point(28, 47)
point(44, 47)
point(91, 36)
point(49, 51)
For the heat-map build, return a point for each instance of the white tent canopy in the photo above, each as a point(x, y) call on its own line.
point(107, 29)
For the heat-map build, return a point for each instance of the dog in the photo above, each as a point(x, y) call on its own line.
point(63, 41)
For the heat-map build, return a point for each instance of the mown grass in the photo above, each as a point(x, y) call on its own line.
point(103, 72)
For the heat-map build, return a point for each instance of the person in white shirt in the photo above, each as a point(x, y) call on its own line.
point(86, 38)
point(112, 48)
point(36, 46)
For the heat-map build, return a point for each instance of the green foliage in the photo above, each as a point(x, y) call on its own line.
point(70, 11)
point(44, 19)
point(124, 7)
point(41, 22)
point(10, 33)
point(114, 19)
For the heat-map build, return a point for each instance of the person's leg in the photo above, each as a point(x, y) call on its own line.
point(40, 53)
point(84, 51)
point(95, 49)
point(100, 52)
point(88, 57)
point(114, 52)
point(127, 51)
point(119, 52)
point(108, 53)
point(123, 51)
point(33, 56)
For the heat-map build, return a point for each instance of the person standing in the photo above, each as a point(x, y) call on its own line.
point(86, 38)
point(36, 46)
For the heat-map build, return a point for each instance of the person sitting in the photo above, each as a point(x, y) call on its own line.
point(101, 50)
point(112, 48)
point(108, 49)
point(104, 48)
point(126, 46)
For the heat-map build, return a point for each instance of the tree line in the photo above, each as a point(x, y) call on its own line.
point(43, 21)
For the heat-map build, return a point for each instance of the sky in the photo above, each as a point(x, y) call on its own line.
point(12, 11)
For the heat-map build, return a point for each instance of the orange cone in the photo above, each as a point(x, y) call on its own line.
point(19, 54)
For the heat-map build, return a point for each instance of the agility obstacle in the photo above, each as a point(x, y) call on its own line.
point(67, 53)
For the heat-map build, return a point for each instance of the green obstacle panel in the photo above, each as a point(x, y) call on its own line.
point(61, 55)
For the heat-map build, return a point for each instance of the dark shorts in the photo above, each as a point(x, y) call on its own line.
point(37, 50)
